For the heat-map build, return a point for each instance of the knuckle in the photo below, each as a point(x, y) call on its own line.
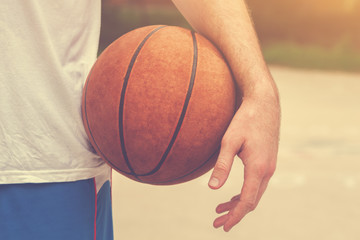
point(225, 141)
point(271, 170)
point(221, 167)
point(229, 142)
point(250, 205)
point(261, 169)
point(264, 169)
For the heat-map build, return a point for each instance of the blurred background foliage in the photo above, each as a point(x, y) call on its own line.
point(321, 34)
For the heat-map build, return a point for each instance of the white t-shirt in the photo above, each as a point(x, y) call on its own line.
point(47, 48)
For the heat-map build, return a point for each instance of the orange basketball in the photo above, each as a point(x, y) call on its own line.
point(156, 104)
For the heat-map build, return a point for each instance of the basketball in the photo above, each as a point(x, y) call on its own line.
point(157, 103)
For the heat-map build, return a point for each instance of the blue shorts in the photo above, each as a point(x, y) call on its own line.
point(54, 211)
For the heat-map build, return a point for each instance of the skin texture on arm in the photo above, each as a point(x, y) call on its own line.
point(253, 133)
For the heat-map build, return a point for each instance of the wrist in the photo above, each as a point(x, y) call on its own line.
point(258, 84)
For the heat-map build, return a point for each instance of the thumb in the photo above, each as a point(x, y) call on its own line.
point(223, 166)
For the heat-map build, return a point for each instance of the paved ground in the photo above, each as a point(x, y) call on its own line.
point(315, 193)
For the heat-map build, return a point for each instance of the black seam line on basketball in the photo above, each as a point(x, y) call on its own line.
point(122, 99)
point(183, 112)
point(91, 135)
point(192, 171)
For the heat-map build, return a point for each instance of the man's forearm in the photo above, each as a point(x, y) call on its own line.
point(228, 25)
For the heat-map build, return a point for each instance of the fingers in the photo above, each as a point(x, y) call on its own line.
point(255, 183)
point(237, 197)
point(225, 207)
point(262, 189)
point(221, 172)
point(247, 200)
point(220, 221)
point(223, 165)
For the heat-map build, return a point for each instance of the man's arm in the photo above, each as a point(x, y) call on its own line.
point(253, 134)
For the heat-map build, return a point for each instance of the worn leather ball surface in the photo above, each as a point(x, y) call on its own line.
point(156, 104)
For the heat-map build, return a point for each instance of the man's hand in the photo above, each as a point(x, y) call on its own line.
point(252, 135)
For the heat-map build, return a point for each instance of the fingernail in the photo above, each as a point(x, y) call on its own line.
point(214, 182)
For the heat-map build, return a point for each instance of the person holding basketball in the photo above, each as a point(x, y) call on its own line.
point(52, 184)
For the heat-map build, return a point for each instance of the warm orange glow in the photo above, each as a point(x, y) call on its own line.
point(331, 24)
point(349, 5)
